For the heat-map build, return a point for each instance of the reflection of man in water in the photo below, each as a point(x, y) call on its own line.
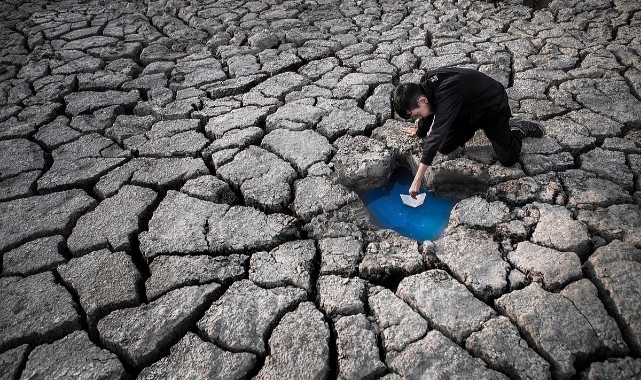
point(450, 105)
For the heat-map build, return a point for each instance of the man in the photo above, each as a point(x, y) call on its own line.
point(452, 104)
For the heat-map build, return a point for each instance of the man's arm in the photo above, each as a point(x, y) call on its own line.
point(447, 112)
point(423, 125)
point(418, 178)
point(422, 168)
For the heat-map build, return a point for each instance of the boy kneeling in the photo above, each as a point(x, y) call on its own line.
point(449, 105)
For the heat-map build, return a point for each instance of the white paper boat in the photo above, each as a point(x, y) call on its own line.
point(408, 200)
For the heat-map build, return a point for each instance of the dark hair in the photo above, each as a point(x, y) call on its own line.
point(405, 98)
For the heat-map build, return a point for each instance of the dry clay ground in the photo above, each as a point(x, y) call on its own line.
point(178, 192)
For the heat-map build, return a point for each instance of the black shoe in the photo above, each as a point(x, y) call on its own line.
point(526, 128)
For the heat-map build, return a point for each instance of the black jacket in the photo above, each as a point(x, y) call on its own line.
point(460, 99)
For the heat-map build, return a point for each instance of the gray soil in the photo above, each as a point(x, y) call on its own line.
point(178, 192)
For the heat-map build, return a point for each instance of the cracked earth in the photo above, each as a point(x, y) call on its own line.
point(178, 192)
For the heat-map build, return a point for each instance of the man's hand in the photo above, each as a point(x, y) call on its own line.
point(418, 179)
point(414, 189)
point(411, 132)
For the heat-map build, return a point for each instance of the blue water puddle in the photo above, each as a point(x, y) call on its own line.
point(425, 222)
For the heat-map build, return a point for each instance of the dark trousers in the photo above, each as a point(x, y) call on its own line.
point(497, 129)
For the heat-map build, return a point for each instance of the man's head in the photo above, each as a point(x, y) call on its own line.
point(410, 101)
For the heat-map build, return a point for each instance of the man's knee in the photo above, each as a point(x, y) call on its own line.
point(445, 150)
point(508, 161)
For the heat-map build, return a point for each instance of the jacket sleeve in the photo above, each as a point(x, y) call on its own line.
point(446, 113)
point(424, 126)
